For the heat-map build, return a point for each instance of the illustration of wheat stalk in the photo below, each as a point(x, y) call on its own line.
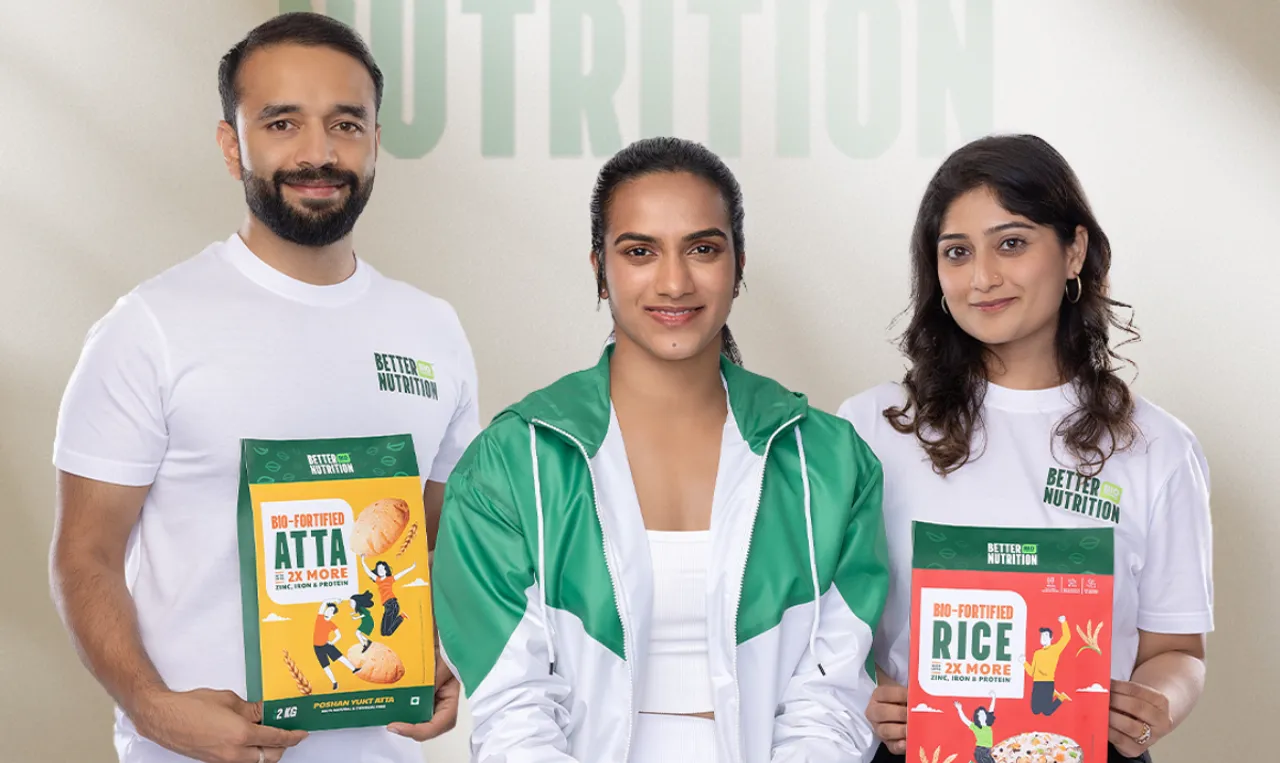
point(924, 756)
point(298, 678)
point(408, 538)
point(1090, 636)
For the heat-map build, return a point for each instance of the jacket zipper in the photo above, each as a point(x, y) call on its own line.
point(613, 581)
point(737, 601)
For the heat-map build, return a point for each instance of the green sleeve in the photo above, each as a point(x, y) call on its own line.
point(481, 574)
point(862, 575)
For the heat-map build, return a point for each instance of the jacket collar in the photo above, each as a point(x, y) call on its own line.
point(579, 404)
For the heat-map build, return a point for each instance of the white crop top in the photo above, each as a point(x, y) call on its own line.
point(677, 679)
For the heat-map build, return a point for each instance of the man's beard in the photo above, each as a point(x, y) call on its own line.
point(325, 220)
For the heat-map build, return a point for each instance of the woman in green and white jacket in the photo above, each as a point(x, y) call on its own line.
point(664, 557)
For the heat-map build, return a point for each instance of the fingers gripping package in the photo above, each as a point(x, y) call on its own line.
point(335, 584)
point(1011, 655)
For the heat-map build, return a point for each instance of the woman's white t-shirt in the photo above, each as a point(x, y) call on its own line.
point(1155, 495)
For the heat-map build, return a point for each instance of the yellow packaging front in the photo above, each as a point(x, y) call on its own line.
point(335, 582)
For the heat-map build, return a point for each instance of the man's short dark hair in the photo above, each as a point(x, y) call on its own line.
point(302, 28)
point(1046, 630)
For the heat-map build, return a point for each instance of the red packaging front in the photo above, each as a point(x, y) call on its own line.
point(1011, 649)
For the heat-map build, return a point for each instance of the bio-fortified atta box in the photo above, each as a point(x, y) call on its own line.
point(334, 581)
point(1011, 647)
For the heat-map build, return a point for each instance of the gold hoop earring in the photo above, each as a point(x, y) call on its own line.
point(1079, 290)
point(945, 309)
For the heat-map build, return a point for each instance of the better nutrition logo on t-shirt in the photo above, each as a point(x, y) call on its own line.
point(1065, 489)
point(397, 373)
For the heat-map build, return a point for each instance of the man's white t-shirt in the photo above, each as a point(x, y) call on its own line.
point(223, 347)
point(1163, 539)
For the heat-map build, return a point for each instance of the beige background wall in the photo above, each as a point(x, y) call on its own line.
point(1170, 112)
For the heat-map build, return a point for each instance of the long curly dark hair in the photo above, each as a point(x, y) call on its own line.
point(946, 383)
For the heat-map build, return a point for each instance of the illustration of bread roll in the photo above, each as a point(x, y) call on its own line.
point(378, 526)
point(378, 665)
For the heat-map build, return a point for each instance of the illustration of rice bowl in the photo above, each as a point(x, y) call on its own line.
point(1038, 747)
point(378, 526)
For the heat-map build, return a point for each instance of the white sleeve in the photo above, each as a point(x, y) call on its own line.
point(865, 411)
point(492, 632)
point(1175, 591)
point(851, 410)
point(821, 717)
point(465, 424)
point(111, 424)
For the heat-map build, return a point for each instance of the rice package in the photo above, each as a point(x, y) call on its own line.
point(1011, 652)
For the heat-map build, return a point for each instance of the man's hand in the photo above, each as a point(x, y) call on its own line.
point(445, 714)
point(211, 726)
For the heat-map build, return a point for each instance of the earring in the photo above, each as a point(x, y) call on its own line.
point(1079, 290)
point(945, 309)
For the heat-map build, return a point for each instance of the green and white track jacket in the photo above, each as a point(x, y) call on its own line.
point(543, 585)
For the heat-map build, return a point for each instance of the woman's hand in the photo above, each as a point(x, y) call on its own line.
point(1139, 716)
point(888, 715)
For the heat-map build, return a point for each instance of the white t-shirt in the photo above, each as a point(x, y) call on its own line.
point(1163, 539)
point(223, 347)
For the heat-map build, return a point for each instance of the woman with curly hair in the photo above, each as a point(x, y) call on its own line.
point(1012, 414)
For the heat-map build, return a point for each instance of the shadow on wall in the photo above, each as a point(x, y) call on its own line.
point(1245, 29)
point(30, 630)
